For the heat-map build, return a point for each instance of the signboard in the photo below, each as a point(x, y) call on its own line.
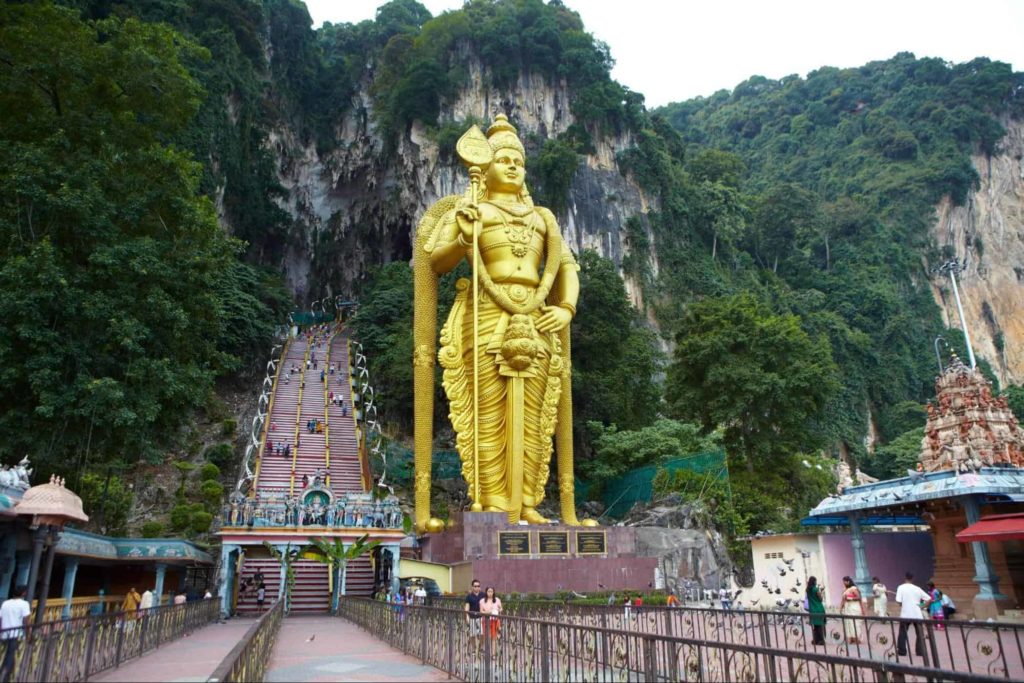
point(513, 542)
point(591, 543)
point(553, 542)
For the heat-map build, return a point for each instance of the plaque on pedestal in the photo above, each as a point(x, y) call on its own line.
point(553, 542)
point(513, 542)
point(591, 543)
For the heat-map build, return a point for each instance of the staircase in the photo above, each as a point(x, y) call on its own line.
point(275, 473)
point(359, 578)
point(346, 471)
point(271, 579)
point(311, 593)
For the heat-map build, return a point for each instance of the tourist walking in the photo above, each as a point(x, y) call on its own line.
point(724, 598)
point(851, 606)
point(131, 602)
point(13, 613)
point(935, 610)
point(881, 594)
point(491, 606)
point(472, 609)
point(147, 600)
point(261, 596)
point(816, 606)
point(910, 598)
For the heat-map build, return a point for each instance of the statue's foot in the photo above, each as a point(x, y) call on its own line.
point(533, 517)
point(589, 522)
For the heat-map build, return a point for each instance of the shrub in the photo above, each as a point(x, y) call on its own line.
point(220, 455)
point(200, 522)
point(209, 472)
point(181, 517)
point(152, 529)
point(228, 427)
point(213, 493)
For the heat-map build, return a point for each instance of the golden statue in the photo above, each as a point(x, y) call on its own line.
point(505, 344)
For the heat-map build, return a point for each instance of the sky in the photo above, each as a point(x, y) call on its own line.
point(671, 50)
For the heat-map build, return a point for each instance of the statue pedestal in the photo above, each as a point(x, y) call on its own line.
point(538, 559)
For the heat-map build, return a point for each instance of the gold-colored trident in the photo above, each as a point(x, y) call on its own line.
point(475, 152)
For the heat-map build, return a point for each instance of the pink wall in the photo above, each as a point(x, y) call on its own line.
point(890, 556)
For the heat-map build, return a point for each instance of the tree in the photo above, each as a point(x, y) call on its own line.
point(617, 452)
point(893, 459)
point(337, 555)
point(286, 558)
point(755, 375)
point(614, 359)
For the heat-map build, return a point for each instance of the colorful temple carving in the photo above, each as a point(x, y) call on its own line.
point(968, 428)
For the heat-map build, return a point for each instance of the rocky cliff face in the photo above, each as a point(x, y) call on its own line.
point(358, 205)
point(988, 231)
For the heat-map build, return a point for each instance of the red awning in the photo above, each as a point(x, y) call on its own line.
point(994, 528)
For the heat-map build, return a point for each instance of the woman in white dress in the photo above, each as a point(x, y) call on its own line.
point(881, 597)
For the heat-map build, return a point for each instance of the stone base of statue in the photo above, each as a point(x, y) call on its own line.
point(538, 558)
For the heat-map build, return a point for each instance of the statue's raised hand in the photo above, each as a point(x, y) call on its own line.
point(466, 215)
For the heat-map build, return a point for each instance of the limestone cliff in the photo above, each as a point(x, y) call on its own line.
point(357, 205)
point(988, 231)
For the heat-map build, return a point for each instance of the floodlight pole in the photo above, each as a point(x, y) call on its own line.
point(952, 268)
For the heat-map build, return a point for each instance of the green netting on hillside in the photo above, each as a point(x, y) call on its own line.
point(401, 468)
point(308, 318)
point(636, 486)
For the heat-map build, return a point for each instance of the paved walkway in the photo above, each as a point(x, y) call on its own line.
point(192, 658)
point(333, 649)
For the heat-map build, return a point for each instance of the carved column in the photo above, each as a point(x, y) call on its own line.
point(52, 536)
point(70, 572)
point(984, 576)
point(396, 556)
point(7, 561)
point(158, 591)
point(861, 575)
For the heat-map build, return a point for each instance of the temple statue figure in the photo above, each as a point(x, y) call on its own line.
point(505, 343)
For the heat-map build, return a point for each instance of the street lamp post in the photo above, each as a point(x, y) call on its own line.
point(951, 268)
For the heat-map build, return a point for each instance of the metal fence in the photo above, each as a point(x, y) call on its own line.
point(598, 644)
point(973, 647)
point(75, 649)
point(248, 660)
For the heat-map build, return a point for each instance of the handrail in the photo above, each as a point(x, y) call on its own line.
point(327, 417)
point(632, 648)
point(364, 459)
point(298, 418)
point(75, 649)
point(270, 415)
point(248, 659)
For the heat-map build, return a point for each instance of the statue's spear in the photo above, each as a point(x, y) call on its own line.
point(476, 154)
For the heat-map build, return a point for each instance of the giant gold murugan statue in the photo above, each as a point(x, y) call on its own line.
point(505, 344)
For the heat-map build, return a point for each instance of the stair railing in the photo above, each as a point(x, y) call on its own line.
point(298, 418)
point(249, 470)
point(370, 435)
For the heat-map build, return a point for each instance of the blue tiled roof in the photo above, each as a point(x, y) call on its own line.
point(997, 483)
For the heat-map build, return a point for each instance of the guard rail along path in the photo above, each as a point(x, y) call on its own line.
point(983, 648)
point(529, 649)
point(248, 660)
point(75, 649)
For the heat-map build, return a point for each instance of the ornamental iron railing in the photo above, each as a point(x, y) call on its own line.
point(974, 647)
point(248, 660)
point(75, 649)
point(659, 645)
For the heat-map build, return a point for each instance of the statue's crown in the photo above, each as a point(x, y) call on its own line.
point(502, 135)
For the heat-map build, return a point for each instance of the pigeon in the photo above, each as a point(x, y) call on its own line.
point(764, 584)
point(311, 638)
point(789, 563)
point(794, 590)
point(915, 477)
point(799, 582)
point(737, 594)
point(778, 591)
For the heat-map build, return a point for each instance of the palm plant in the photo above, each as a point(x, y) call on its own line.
point(334, 553)
point(285, 558)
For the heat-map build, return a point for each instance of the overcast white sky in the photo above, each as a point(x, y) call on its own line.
point(671, 50)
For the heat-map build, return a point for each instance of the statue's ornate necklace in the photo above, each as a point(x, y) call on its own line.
point(520, 230)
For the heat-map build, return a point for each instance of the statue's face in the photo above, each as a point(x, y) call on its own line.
point(507, 172)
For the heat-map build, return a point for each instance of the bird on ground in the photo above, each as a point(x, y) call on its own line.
point(795, 590)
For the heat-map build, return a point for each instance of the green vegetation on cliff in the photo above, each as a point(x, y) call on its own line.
point(122, 297)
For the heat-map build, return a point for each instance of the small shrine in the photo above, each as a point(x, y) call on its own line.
point(971, 464)
point(968, 428)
